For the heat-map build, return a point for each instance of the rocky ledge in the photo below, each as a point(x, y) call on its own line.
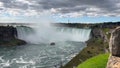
point(8, 36)
point(114, 46)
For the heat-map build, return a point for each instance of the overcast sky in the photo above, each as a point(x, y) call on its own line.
point(59, 10)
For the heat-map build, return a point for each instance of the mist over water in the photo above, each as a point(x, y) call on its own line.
point(42, 33)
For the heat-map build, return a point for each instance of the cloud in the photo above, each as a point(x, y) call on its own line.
point(63, 8)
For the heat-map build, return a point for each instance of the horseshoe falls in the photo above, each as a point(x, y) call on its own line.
point(39, 53)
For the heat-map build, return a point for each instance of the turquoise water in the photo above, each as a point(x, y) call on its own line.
point(39, 55)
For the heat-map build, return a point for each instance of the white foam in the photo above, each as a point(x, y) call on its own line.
point(19, 61)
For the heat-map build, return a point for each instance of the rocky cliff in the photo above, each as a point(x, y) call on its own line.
point(8, 36)
point(114, 45)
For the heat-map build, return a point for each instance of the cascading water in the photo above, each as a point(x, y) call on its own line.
point(24, 32)
point(79, 35)
point(36, 35)
point(38, 53)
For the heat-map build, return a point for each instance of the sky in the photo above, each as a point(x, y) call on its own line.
point(72, 11)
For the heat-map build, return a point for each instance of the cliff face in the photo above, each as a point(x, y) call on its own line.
point(7, 33)
point(99, 33)
point(8, 36)
point(114, 45)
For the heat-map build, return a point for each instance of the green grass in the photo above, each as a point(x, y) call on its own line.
point(99, 61)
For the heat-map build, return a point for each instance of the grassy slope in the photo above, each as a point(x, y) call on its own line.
point(99, 61)
point(94, 47)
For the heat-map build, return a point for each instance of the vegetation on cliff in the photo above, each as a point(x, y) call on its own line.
point(94, 47)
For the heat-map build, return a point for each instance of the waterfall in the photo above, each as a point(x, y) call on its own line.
point(23, 32)
point(77, 34)
point(54, 34)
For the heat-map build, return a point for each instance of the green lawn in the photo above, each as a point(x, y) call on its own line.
point(99, 61)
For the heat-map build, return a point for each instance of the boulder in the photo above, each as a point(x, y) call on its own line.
point(114, 45)
point(114, 62)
